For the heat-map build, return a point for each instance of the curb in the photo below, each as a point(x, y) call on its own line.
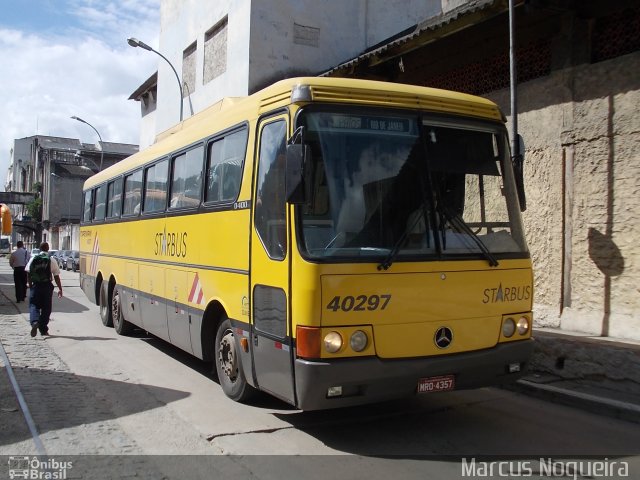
point(591, 403)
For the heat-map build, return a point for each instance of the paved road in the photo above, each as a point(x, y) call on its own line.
point(92, 392)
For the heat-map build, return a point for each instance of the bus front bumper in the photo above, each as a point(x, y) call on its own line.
point(371, 379)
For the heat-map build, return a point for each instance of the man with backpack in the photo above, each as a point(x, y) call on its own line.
point(40, 269)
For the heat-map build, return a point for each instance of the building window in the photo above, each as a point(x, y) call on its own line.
point(215, 51)
point(189, 69)
point(304, 35)
point(148, 100)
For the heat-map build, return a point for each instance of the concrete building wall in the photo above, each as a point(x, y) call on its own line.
point(293, 38)
point(582, 171)
point(385, 18)
point(183, 22)
point(148, 125)
point(266, 40)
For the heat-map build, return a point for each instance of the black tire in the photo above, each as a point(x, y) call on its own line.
point(228, 365)
point(121, 326)
point(105, 305)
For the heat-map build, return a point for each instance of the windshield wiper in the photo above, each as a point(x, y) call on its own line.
point(386, 263)
point(460, 224)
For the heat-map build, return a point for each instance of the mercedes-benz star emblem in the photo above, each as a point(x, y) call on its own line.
point(443, 337)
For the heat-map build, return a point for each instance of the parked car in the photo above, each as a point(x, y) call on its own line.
point(73, 261)
point(53, 254)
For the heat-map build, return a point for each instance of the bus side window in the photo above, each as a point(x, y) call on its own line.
point(86, 213)
point(224, 167)
point(155, 187)
point(186, 179)
point(270, 213)
point(101, 203)
point(132, 193)
point(114, 198)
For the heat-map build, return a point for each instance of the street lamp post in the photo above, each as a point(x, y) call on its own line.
point(134, 42)
point(94, 129)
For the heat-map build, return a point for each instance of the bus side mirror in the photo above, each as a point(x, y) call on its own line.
point(297, 156)
point(518, 170)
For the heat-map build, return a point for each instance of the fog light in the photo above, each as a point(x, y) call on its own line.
point(332, 342)
point(508, 327)
point(334, 391)
point(523, 325)
point(358, 341)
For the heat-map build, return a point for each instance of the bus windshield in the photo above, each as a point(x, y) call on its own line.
point(395, 187)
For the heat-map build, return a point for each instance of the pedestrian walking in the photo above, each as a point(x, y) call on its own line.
point(18, 261)
point(40, 270)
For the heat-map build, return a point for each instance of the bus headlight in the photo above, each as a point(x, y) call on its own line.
point(523, 325)
point(332, 342)
point(508, 327)
point(358, 341)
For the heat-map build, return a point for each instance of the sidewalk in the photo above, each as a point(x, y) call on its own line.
point(598, 374)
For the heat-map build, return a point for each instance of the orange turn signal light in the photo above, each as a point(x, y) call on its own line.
point(308, 342)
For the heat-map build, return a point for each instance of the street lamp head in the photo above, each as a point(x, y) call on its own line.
point(78, 119)
point(134, 42)
point(99, 136)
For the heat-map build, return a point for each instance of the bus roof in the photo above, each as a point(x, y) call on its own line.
point(221, 115)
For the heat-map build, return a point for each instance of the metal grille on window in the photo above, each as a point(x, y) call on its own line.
point(616, 35)
point(491, 74)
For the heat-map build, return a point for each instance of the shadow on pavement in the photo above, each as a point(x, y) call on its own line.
point(456, 423)
point(60, 400)
point(206, 369)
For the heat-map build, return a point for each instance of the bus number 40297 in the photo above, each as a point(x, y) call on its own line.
point(359, 303)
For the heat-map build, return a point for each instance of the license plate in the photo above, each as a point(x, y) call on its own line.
point(443, 383)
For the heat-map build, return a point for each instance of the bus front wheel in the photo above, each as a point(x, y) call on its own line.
point(227, 361)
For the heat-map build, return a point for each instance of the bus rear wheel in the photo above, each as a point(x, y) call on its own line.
point(105, 310)
point(121, 326)
point(228, 366)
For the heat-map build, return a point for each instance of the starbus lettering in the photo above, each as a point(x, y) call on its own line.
point(172, 244)
point(507, 294)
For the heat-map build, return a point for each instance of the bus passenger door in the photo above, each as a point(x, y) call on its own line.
point(271, 336)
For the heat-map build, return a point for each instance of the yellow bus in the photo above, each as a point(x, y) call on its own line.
point(329, 241)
